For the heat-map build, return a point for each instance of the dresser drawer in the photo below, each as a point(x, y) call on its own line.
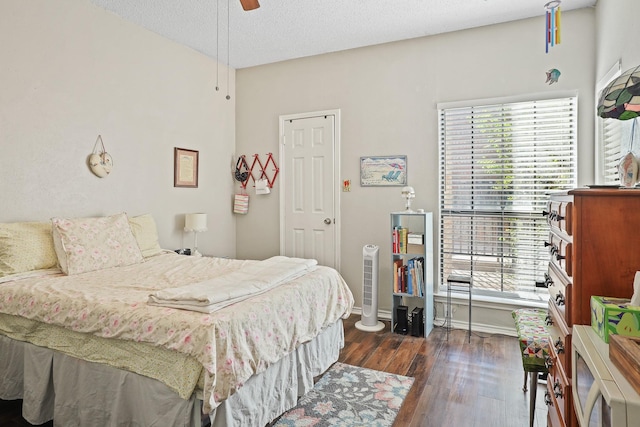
point(560, 253)
point(559, 215)
point(559, 287)
point(561, 343)
point(552, 416)
point(558, 397)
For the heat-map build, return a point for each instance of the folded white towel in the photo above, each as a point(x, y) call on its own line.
point(219, 292)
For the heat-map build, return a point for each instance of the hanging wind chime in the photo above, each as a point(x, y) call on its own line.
point(552, 24)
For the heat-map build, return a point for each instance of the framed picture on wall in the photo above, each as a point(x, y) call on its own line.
point(383, 171)
point(185, 168)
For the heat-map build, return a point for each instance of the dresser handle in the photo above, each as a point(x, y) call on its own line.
point(548, 320)
point(547, 244)
point(557, 389)
point(547, 398)
point(559, 299)
point(545, 213)
point(548, 280)
point(560, 257)
point(548, 362)
point(559, 346)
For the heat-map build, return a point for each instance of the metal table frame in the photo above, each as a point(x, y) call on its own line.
point(458, 284)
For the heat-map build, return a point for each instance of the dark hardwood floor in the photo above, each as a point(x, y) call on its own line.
point(457, 384)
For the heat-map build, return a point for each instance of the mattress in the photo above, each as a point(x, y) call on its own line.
point(103, 316)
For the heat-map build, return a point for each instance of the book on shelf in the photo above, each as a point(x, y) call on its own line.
point(403, 240)
point(402, 279)
point(400, 240)
point(394, 240)
point(397, 264)
point(409, 278)
point(420, 273)
point(415, 238)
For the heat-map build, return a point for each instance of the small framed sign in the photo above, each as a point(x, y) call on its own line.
point(383, 171)
point(185, 168)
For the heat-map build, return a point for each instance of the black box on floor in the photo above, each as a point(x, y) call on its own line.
point(417, 322)
point(402, 319)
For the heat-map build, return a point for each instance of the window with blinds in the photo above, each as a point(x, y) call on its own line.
point(498, 163)
point(611, 136)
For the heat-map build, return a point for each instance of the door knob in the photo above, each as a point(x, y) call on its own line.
point(327, 221)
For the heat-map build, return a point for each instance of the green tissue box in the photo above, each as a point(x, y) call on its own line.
point(614, 316)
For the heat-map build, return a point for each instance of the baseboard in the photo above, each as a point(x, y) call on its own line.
point(455, 324)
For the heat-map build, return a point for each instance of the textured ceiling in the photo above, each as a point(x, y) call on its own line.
point(287, 29)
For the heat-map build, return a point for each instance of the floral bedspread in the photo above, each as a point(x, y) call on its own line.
point(232, 344)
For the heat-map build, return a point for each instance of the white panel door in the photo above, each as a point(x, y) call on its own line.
point(308, 201)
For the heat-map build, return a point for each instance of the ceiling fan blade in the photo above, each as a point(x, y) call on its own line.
point(249, 4)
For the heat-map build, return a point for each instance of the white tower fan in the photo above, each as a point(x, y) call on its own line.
point(369, 321)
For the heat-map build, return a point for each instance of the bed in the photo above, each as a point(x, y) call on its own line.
point(84, 343)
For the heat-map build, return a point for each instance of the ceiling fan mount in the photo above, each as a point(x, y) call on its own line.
point(249, 4)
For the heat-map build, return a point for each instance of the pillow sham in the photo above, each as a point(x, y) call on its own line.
point(90, 244)
point(26, 246)
point(146, 233)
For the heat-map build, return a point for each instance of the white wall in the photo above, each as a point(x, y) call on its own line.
point(617, 34)
point(70, 71)
point(388, 95)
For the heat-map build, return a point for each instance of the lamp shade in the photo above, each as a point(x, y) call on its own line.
point(408, 192)
point(621, 98)
point(195, 222)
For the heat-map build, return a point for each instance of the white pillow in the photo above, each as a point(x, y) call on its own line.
point(89, 244)
point(146, 234)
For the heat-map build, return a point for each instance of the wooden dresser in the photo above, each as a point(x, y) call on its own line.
point(594, 247)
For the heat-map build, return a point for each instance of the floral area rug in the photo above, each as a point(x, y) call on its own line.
point(350, 396)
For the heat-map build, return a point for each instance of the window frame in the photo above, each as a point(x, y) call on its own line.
point(612, 136)
point(441, 170)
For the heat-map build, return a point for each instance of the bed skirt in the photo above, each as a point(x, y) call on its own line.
point(74, 392)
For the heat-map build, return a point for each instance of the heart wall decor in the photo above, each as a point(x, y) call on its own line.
point(100, 162)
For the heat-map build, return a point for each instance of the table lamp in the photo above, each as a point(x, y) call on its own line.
point(620, 100)
point(196, 222)
point(408, 193)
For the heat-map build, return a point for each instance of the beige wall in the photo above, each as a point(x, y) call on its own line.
point(70, 71)
point(617, 34)
point(388, 97)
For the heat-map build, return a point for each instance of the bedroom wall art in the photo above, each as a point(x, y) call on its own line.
point(383, 171)
point(100, 162)
point(185, 168)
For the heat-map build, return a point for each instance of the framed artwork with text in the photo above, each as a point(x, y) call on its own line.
point(185, 168)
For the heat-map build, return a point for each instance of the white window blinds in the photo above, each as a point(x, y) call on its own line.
point(610, 134)
point(498, 163)
point(612, 151)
